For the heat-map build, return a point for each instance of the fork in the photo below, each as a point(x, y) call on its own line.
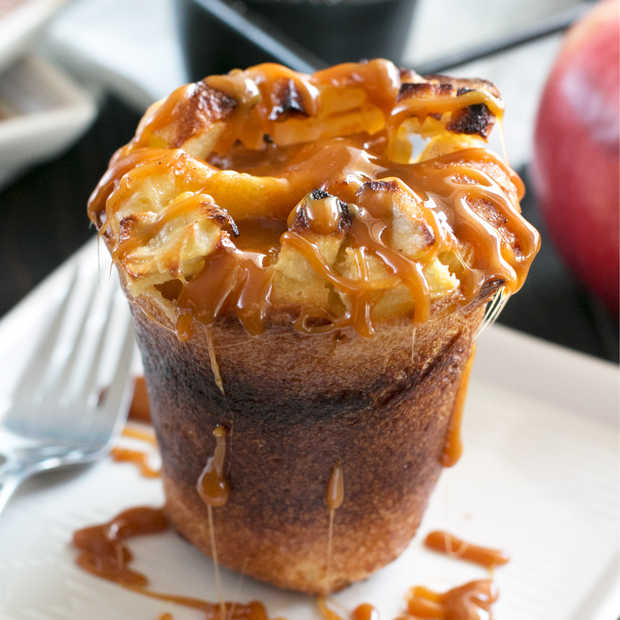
point(55, 416)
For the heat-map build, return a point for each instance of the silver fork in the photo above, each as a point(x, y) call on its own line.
point(55, 416)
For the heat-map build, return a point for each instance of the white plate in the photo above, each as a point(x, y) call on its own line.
point(539, 478)
point(51, 112)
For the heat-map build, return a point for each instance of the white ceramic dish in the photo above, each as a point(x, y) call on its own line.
point(20, 25)
point(49, 110)
point(539, 478)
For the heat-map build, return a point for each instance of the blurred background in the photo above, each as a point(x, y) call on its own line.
point(75, 77)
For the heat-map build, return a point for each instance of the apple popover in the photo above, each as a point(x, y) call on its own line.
point(308, 259)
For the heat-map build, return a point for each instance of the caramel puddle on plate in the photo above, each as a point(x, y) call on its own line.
point(447, 543)
point(214, 490)
point(464, 602)
point(139, 458)
point(365, 611)
point(103, 552)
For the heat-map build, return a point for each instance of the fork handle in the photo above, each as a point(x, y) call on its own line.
point(10, 479)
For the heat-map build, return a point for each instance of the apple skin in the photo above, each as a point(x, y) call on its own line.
point(576, 165)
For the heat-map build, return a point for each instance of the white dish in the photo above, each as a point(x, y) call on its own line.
point(539, 478)
point(51, 111)
point(20, 25)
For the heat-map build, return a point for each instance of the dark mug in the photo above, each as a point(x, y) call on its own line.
point(332, 31)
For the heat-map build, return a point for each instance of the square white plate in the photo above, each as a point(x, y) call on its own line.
point(20, 25)
point(539, 478)
point(51, 111)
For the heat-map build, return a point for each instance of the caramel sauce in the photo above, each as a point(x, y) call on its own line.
point(275, 136)
point(138, 457)
point(103, 553)
point(166, 616)
point(466, 602)
point(365, 611)
point(334, 496)
point(444, 542)
point(102, 548)
point(453, 448)
point(142, 434)
point(214, 490)
point(212, 485)
point(326, 612)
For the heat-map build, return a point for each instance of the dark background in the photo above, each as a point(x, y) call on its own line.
point(44, 222)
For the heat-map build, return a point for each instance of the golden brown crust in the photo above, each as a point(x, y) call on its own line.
point(296, 405)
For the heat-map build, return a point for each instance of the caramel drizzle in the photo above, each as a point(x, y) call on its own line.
point(146, 435)
point(453, 448)
point(214, 490)
point(102, 551)
point(461, 603)
point(444, 542)
point(365, 611)
point(139, 458)
point(334, 496)
point(304, 117)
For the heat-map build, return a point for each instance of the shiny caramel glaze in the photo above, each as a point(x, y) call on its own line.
point(103, 552)
point(267, 167)
point(455, 547)
point(453, 448)
point(102, 548)
point(214, 490)
point(212, 484)
point(141, 434)
point(365, 611)
point(471, 601)
point(139, 458)
point(334, 496)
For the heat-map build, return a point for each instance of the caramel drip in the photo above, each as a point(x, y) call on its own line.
point(215, 367)
point(212, 485)
point(145, 435)
point(245, 148)
point(231, 278)
point(365, 611)
point(139, 458)
point(444, 542)
point(327, 612)
point(213, 489)
point(166, 616)
point(334, 496)
point(103, 553)
point(464, 602)
point(453, 448)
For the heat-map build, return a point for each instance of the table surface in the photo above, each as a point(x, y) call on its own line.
point(44, 222)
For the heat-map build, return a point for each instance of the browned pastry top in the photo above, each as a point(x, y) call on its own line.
point(267, 193)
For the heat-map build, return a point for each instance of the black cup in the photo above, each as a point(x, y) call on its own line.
point(332, 31)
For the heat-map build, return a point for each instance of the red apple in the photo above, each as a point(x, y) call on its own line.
point(576, 164)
